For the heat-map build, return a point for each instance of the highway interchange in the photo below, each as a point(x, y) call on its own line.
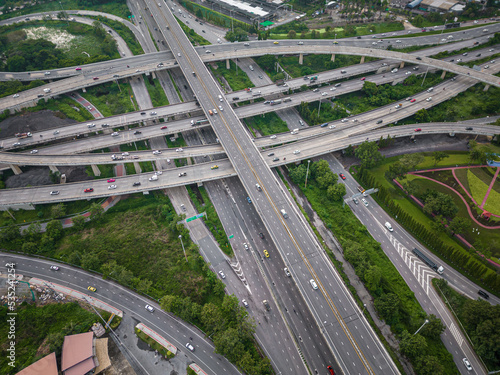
point(295, 243)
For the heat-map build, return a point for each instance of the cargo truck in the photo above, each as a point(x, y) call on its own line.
point(430, 263)
point(23, 135)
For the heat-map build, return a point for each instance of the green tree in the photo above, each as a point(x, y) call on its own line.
point(422, 115)
point(228, 343)
point(96, 212)
point(349, 151)
point(439, 203)
point(373, 276)
point(298, 174)
point(238, 35)
point(410, 161)
point(368, 154)
point(58, 210)
point(388, 306)
point(370, 88)
point(292, 34)
point(439, 223)
point(418, 21)
point(429, 365)
point(33, 231)
point(459, 225)
point(438, 156)
point(412, 346)
point(144, 286)
point(350, 30)
point(54, 229)
point(78, 222)
point(434, 328)
point(336, 191)
point(16, 63)
point(91, 261)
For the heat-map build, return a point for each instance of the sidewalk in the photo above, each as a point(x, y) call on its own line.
point(159, 339)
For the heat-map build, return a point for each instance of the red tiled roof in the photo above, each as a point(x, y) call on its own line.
point(46, 366)
point(77, 354)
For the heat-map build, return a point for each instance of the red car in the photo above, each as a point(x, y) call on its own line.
point(363, 78)
point(163, 127)
point(418, 130)
point(78, 68)
point(330, 368)
point(95, 78)
point(342, 176)
point(111, 180)
point(88, 190)
point(413, 100)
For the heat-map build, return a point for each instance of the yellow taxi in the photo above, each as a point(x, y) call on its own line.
point(266, 253)
point(276, 42)
point(215, 167)
point(335, 42)
point(92, 289)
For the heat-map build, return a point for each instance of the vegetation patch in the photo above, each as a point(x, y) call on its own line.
point(111, 98)
point(156, 92)
point(125, 33)
point(214, 17)
point(477, 187)
point(153, 344)
point(237, 79)
point(267, 124)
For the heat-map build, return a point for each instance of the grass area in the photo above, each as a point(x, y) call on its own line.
point(156, 92)
point(40, 330)
point(212, 16)
point(202, 202)
point(42, 212)
point(126, 34)
point(237, 80)
point(146, 166)
point(62, 107)
point(111, 98)
point(267, 124)
point(117, 8)
point(367, 258)
point(176, 88)
point(107, 171)
point(477, 187)
point(153, 344)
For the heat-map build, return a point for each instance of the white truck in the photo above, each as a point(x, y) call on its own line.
point(153, 178)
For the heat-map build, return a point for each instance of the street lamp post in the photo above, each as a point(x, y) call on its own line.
point(184, 250)
point(422, 326)
point(364, 307)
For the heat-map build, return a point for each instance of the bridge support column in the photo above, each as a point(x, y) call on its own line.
point(362, 60)
point(137, 167)
point(443, 74)
point(402, 65)
point(333, 58)
point(153, 74)
point(301, 58)
point(83, 89)
point(96, 170)
point(53, 168)
point(228, 65)
point(486, 88)
point(15, 169)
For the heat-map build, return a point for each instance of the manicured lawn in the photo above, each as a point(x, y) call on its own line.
point(478, 188)
point(267, 124)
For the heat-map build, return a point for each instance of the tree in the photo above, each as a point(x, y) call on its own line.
point(438, 156)
point(410, 161)
point(336, 191)
point(388, 306)
point(298, 174)
point(370, 88)
point(292, 34)
point(368, 154)
point(418, 21)
point(91, 261)
point(434, 328)
point(349, 151)
point(54, 229)
point(349, 30)
point(373, 276)
point(33, 231)
point(459, 225)
point(429, 365)
point(78, 222)
point(422, 115)
point(62, 15)
point(439, 223)
point(439, 203)
point(238, 35)
point(59, 210)
point(96, 212)
point(412, 346)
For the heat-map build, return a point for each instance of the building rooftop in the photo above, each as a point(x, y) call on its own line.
point(46, 366)
point(438, 4)
point(77, 354)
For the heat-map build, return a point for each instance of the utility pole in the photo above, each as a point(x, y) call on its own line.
point(184, 250)
point(307, 172)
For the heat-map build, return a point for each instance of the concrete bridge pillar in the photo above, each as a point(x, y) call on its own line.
point(333, 58)
point(228, 65)
point(83, 89)
point(486, 88)
point(443, 74)
point(15, 169)
point(137, 167)
point(53, 168)
point(362, 60)
point(153, 74)
point(402, 65)
point(301, 58)
point(96, 170)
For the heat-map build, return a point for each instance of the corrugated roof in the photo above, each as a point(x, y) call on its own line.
point(439, 4)
point(46, 366)
point(77, 349)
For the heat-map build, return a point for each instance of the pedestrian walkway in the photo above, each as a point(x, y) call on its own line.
point(155, 336)
point(76, 294)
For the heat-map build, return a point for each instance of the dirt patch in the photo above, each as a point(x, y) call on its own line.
point(39, 176)
point(32, 122)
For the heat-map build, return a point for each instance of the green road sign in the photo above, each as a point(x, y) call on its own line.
point(195, 217)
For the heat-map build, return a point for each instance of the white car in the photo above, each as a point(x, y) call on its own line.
point(296, 152)
point(156, 152)
point(15, 96)
point(179, 54)
point(221, 109)
point(245, 303)
point(287, 272)
point(34, 152)
point(111, 187)
point(222, 276)
point(158, 173)
point(313, 284)
point(54, 192)
point(388, 226)
point(467, 364)
point(344, 120)
point(300, 43)
point(125, 154)
point(56, 132)
point(365, 202)
point(179, 150)
point(398, 41)
point(273, 137)
point(331, 127)
point(333, 89)
point(215, 111)
point(149, 308)
point(54, 268)
point(323, 94)
point(115, 134)
point(190, 347)
point(245, 246)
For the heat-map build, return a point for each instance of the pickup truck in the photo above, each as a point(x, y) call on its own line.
point(153, 178)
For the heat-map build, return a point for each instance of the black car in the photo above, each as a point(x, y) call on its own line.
point(143, 113)
point(478, 55)
point(136, 184)
point(105, 126)
point(419, 58)
point(261, 235)
point(276, 159)
point(379, 121)
point(469, 128)
point(137, 132)
point(270, 154)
